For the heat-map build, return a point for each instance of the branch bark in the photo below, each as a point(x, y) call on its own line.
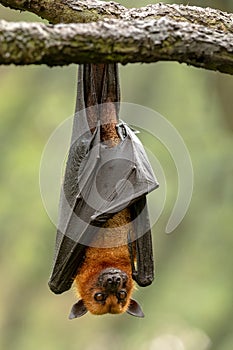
point(67, 11)
point(196, 36)
point(73, 11)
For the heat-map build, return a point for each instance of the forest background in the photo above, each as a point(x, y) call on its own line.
point(190, 304)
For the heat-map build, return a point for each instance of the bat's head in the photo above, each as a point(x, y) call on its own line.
point(109, 292)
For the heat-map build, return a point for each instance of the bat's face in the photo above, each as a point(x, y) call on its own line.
point(109, 292)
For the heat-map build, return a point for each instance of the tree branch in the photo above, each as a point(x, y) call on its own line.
point(116, 41)
point(197, 36)
point(74, 11)
point(67, 11)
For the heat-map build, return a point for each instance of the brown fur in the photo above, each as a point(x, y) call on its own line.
point(98, 259)
point(109, 133)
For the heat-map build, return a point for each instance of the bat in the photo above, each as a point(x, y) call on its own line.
point(103, 243)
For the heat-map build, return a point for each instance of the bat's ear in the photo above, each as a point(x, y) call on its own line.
point(135, 309)
point(78, 310)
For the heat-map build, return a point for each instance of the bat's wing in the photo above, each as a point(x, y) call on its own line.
point(99, 182)
point(143, 274)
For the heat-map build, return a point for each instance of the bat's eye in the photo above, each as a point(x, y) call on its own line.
point(121, 295)
point(99, 296)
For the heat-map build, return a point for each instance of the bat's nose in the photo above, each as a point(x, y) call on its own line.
point(114, 280)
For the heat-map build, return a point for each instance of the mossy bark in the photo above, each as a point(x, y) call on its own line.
point(201, 37)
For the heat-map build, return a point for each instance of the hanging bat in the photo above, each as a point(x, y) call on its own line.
point(103, 239)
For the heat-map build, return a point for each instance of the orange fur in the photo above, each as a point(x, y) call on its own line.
point(98, 259)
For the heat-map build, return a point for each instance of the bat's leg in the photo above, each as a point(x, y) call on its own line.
point(101, 86)
point(109, 110)
point(101, 94)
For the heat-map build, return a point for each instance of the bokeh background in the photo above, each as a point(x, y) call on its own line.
point(190, 304)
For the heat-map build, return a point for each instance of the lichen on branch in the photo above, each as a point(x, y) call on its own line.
point(201, 37)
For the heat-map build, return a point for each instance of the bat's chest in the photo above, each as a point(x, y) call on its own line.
point(115, 232)
point(117, 257)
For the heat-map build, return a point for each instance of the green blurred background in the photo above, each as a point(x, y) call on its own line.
point(190, 305)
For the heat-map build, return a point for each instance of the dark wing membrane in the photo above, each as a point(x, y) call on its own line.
point(143, 274)
point(68, 256)
point(99, 182)
point(68, 253)
point(90, 197)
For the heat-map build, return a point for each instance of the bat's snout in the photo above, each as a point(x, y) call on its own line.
point(111, 279)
